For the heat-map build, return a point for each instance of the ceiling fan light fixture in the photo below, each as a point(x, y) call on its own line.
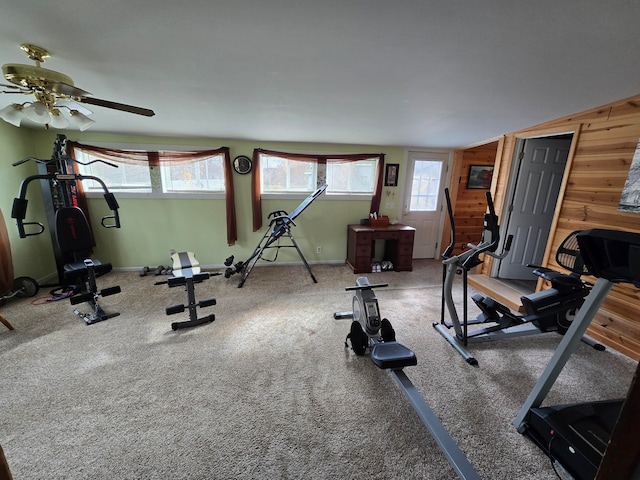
point(38, 112)
point(12, 114)
point(80, 121)
point(58, 120)
point(52, 90)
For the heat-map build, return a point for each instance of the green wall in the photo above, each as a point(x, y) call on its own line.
point(32, 256)
point(151, 227)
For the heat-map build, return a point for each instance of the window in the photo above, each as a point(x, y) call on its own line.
point(279, 174)
point(117, 175)
point(206, 175)
point(353, 177)
point(425, 185)
point(137, 172)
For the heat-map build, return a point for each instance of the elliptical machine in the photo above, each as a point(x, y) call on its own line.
point(550, 310)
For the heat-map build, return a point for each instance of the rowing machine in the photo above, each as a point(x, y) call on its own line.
point(373, 334)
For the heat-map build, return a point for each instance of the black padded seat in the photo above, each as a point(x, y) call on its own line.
point(75, 240)
point(392, 355)
point(76, 269)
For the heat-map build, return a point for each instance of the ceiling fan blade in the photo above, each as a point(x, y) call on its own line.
point(16, 87)
point(68, 90)
point(73, 105)
point(117, 106)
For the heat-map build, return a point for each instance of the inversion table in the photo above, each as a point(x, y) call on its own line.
point(279, 228)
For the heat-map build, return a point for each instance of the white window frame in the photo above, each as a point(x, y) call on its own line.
point(320, 171)
point(158, 185)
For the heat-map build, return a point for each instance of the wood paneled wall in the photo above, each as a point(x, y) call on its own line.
point(469, 205)
point(604, 142)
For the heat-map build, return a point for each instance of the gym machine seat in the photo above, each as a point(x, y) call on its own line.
point(75, 241)
point(392, 355)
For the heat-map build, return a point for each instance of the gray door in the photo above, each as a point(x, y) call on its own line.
point(541, 168)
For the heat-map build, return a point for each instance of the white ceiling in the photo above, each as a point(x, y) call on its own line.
point(421, 73)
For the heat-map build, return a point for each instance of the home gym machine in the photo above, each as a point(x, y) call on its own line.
point(186, 271)
point(578, 435)
point(371, 334)
point(550, 310)
point(279, 228)
point(69, 228)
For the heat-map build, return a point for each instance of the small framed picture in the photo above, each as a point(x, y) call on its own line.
point(480, 176)
point(391, 174)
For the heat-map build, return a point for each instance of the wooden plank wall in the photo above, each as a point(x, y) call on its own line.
point(469, 205)
point(605, 140)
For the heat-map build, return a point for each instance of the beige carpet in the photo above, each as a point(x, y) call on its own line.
point(268, 389)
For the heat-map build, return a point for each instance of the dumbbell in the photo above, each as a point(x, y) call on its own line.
point(160, 270)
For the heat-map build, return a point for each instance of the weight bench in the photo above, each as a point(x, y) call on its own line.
point(187, 272)
point(75, 241)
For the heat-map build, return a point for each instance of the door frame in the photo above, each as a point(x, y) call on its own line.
point(509, 159)
point(445, 180)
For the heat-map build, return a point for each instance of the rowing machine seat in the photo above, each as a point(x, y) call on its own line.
point(392, 355)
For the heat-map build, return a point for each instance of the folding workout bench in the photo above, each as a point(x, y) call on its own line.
point(186, 271)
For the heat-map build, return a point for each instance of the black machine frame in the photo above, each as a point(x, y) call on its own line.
point(59, 184)
point(59, 189)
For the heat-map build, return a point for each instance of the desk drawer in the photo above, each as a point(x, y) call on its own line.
point(362, 251)
point(364, 238)
point(405, 249)
point(390, 235)
point(404, 263)
point(407, 236)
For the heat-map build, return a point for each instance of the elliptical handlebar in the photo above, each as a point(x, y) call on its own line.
point(469, 258)
point(447, 252)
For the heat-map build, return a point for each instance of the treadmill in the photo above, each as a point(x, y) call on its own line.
point(577, 435)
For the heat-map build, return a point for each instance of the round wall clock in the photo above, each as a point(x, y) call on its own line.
point(242, 164)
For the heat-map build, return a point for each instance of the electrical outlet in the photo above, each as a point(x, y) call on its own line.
point(318, 249)
point(389, 205)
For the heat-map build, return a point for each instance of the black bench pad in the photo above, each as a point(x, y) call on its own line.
point(392, 355)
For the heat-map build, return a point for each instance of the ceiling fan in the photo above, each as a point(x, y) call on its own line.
point(53, 93)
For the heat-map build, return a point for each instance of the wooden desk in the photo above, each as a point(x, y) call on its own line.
point(398, 246)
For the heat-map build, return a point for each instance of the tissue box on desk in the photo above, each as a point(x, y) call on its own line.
point(379, 222)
